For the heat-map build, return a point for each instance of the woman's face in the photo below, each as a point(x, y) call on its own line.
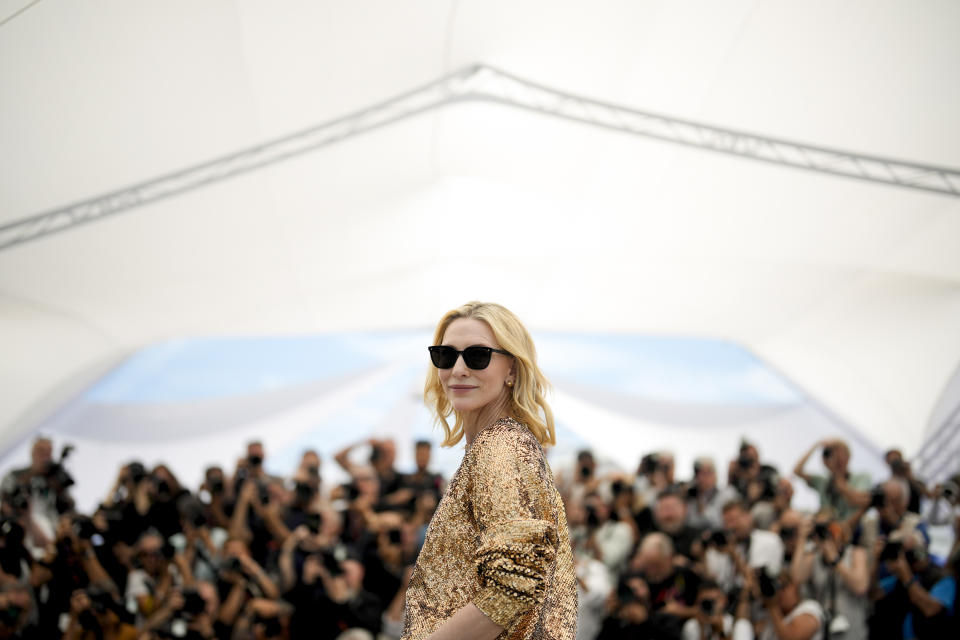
point(472, 389)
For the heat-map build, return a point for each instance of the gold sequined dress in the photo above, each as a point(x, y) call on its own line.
point(498, 539)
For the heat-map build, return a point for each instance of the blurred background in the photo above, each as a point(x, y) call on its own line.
point(232, 221)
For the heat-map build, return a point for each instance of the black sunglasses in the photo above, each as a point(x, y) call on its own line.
point(474, 357)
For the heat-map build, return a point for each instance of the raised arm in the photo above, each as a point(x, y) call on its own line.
point(802, 462)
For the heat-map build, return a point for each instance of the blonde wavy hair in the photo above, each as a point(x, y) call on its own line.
point(528, 404)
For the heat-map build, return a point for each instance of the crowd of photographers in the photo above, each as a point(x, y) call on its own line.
point(707, 558)
point(246, 555)
point(250, 555)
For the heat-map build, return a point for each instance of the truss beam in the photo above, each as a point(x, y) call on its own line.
point(485, 83)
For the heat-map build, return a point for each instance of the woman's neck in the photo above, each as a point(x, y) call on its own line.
point(476, 421)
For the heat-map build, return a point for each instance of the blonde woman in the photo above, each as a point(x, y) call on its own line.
point(497, 561)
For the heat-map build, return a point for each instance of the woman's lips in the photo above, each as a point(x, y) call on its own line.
point(461, 388)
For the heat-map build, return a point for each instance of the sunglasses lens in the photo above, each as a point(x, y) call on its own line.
point(443, 357)
point(477, 357)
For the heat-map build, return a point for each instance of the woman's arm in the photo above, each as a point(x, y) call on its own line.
point(856, 578)
point(511, 503)
point(469, 623)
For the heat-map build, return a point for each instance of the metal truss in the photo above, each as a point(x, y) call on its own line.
point(484, 83)
point(939, 453)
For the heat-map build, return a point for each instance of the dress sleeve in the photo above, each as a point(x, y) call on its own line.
point(518, 536)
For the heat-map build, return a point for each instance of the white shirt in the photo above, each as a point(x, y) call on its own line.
point(741, 629)
point(766, 550)
point(811, 607)
point(591, 600)
point(615, 541)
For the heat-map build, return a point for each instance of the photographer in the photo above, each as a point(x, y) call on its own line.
point(712, 621)
point(704, 499)
point(790, 617)
point(904, 578)
point(154, 575)
point(900, 469)
point(582, 480)
point(945, 510)
point(128, 502)
point(608, 540)
point(835, 574)
point(96, 614)
point(423, 480)
point(629, 611)
point(888, 504)
point(935, 612)
point(740, 539)
point(72, 563)
point(841, 492)
point(38, 494)
point(672, 588)
point(264, 619)
point(751, 479)
point(328, 596)
point(258, 517)
point(184, 612)
point(16, 611)
point(217, 499)
point(241, 576)
point(383, 453)
point(654, 475)
point(670, 518)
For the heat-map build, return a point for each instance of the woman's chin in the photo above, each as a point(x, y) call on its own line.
point(463, 405)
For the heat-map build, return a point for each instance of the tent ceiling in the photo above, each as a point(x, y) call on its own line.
point(851, 289)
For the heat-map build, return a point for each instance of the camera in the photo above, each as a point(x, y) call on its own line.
point(233, 564)
point(331, 561)
point(593, 520)
point(193, 603)
point(768, 585)
point(271, 625)
point(314, 521)
point(18, 498)
point(718, 538)
point(83, 527)
point(950, 490)
point(827, 452)
point(303, 491)
point(393, 535)
point(624, 593)
point(708, 606)
point(617, 487)
point(821, 531)
point(585, 471)
point(744, 461)
point(649, 463)
point(878, 499)
point(891, 550)
point(137, 472)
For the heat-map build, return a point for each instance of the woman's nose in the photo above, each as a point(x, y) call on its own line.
point(460, 367)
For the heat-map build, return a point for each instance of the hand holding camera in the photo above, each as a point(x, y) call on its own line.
point(710, 614)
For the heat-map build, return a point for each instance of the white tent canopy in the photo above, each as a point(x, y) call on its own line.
point(850, 288)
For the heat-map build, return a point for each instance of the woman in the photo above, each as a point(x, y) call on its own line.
point(497, 560)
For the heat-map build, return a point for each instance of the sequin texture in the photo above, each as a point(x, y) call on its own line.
point(498, 539)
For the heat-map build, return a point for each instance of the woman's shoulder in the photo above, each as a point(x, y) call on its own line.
point(507, 432)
